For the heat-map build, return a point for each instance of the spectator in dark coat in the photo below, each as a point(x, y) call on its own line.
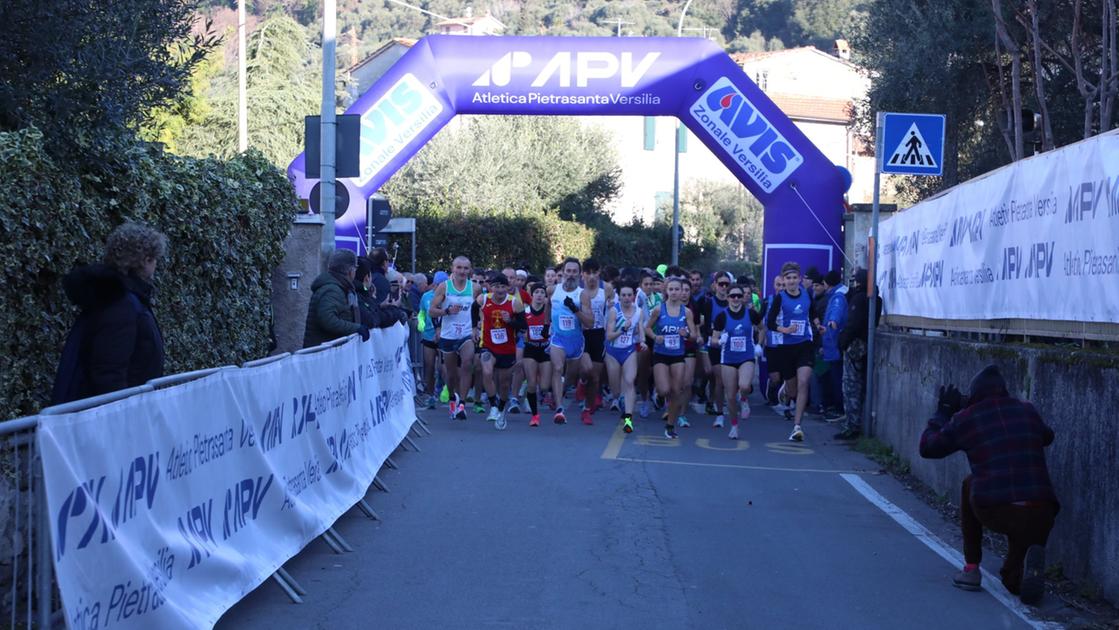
point(1008, 490)
point(115, 343)
point(852, 343)
point(334, 310)
point(379, 259)
point(373, 315)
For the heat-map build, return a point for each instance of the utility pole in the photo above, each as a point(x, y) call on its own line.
point(242, 82)
point(328, 129)
point(676, 163)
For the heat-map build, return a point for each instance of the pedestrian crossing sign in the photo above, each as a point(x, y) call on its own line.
point(910, 144)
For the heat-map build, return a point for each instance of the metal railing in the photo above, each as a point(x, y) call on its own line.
point(31, 599)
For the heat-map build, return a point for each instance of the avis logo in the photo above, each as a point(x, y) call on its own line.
point(746, 135)
point(582, 66)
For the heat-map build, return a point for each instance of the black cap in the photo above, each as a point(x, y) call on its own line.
point(814, 275)
point(859, 277)
point(834, 278)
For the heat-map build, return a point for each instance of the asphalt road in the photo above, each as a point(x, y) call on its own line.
point(587, 527)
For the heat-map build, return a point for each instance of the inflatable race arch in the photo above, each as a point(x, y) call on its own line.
point(692, 79)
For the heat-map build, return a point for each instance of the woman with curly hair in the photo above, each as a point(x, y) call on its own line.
point(115, 342)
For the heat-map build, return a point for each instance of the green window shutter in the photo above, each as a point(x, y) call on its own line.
point(650, 133)
point(682, 137)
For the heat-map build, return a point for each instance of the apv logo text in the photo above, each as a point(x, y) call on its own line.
point(563, 67)
point(756, 146)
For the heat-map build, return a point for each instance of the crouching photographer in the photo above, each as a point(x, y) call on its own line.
point(1009, 490)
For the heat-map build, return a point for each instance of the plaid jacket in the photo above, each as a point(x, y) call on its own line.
point(1005, 440)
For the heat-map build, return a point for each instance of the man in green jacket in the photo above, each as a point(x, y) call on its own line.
point(333, 312)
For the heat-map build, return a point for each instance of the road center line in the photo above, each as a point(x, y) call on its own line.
point(991, 584)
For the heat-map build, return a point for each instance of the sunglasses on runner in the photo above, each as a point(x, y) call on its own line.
point(722, 284)
point(735, 296)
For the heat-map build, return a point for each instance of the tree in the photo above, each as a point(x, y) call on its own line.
point(512, 165)
point(723, 215)
point(75, 68)
point(283, 87)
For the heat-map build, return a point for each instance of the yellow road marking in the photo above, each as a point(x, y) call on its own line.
point(785, 448)
point(745, 467)
point(614, 446)
point(738, 445)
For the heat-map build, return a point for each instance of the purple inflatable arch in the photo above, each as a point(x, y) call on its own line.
point(692, 79)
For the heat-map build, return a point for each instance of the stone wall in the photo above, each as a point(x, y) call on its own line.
point(1076, 392)
point(291, 281)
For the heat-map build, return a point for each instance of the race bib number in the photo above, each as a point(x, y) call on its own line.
point(566, 322)
point(738, 344)
point(536, 333)
point(499, 336)
point(625, 340)
point(458, 330)
point(798, 328)
point(672, 341)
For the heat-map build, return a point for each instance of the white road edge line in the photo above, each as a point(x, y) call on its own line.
point(991, 584)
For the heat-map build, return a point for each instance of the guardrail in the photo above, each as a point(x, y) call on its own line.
point(31, 599)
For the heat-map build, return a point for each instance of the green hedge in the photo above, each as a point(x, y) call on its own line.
point(534, 241)
point(225, 222)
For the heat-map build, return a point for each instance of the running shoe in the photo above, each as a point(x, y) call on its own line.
point(514, 406)
point(718, 422)
point(1033, 576)
point(614, 404)
point(710, 410)
point(559, 418)
point(643, 409)
point(535, 421)
point(670, 431)
point(682, 422)
point(598, 401)
point(782, 397)
point(479, 407)
point(494, 414)
point(733, 435)
point(445, 395)
point(460, 414)
point(797, 435)
point(744, 410)
point(432, 402)
point(470, 395)
point(658, 403)
point(500, 423)
point(549, 400)
point(587, 417)
point(627, 425)
point(580, 392)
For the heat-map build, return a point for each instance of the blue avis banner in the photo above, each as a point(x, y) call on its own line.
point(912, 144)
point(168, 507)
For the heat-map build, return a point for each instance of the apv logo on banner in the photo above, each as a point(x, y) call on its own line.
point(912, 144)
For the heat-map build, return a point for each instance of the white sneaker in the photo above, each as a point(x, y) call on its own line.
point(513, 406)
point(613, 404)
point(797, 435)
point(682, 422)
point(718, 422)
point(744, 411)
point(733, 432)
point(494, 414)
point(500, 423)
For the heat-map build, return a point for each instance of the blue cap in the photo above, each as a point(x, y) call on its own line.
point(441, 276)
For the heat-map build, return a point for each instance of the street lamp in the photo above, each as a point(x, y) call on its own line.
point(676, 163)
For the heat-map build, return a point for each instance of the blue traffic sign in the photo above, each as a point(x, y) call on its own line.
point(911, 144)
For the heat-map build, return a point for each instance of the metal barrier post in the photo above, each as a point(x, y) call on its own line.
point(46, 564)
point(380, 485)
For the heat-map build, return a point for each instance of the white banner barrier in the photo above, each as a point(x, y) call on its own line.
point(1038, 239)
point(166, 508)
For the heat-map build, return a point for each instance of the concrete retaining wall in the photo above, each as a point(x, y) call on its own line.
point(1076, 392)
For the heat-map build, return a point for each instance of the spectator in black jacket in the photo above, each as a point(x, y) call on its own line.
point(115, 343)
point(852, 341)
point(373, 314)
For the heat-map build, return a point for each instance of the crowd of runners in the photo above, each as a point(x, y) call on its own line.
point(661, 342)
